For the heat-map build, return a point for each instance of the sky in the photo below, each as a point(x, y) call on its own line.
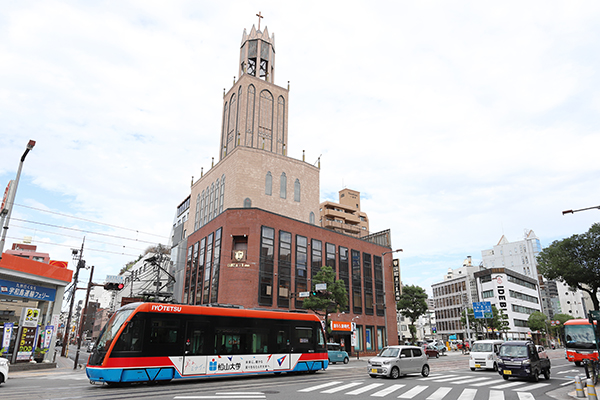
point(458, 122)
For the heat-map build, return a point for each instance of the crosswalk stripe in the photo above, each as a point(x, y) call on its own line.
point(434, 377)
point(485, 383)
point(507, 385)
point(365, 389)
point(343, 387)
point(467, 394)
point(412, 392)
point(324, 385)
point(465, 381)
point(387, 390)
point(525, 396)
point(496, 395)
point(532, 387)
point(440, 393)
point(448, 379)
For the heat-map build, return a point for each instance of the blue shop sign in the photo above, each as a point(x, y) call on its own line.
point(26, 290)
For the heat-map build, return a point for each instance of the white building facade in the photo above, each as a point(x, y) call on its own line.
point(515, 294)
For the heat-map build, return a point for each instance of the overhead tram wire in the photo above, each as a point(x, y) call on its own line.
point(84, 231)
point(70, 246)
point(89, 220)
point(77, 237)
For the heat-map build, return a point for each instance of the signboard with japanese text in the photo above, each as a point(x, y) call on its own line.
point(341, 326)
point(18, 289)
point(8, 330)
point(396, 275)
point(48, 332)
point(483, 309)
point(30, 317)
point(26, 343)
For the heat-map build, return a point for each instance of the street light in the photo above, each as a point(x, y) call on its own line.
point(12, 193)
point(581, 209)
point(385, 317)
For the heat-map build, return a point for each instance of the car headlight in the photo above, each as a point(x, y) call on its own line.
point(387, 362)
point(490, 357)
point(526, 362)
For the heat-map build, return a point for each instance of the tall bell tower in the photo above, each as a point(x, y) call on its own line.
point(255, 109)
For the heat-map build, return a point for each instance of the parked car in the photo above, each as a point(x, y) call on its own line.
point(440, 347)
point(431, 351)
point(3, 370)
point(335, 353)
point(484, 354)
point(394, 361)
point(521, 358)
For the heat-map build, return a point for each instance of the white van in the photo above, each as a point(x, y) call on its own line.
point(484, 354)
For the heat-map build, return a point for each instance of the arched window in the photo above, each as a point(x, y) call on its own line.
point(283, 186)
point(265, 120)
point(206, 195)
point(247, 203)
point(311, 218)
point(222, 200)
point(196, 221)
point(201, 224)
point(297, 190)
point(216, 199)
point(269, 184)
point(250, 117)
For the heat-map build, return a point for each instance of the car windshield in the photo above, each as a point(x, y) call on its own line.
point(513, 351)
point(580, 337)
point(389, 352)
point(482, 347)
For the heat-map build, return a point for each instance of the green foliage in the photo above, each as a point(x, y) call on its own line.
point(575, 261)
point(537, 321)
point(412, 304)
point(334, 299)
point(484, 325)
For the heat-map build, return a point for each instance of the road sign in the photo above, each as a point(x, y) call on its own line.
point(304, 294)
point(483, 309)
point(321, 286)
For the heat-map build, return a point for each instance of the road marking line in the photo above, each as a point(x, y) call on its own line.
point(567, 383)
point(496, 395)
point(412, 392)
point(343, 387)
point(466, 381)
point(532, 387)
point(440, 393)
point(387, 390)
point(467, 394)
point(365, 389)
point(507, 385)
point(525, 396)
point(324, 385)
point(432, 377)
point(449, 379)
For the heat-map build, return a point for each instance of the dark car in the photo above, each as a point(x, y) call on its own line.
point(521, 359)
point(432, 351)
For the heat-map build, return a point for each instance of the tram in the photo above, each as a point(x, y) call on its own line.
point(153, 342)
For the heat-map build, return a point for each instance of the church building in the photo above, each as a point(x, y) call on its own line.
point(253, 233)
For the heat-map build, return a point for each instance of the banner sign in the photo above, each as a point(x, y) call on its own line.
point(8, 329)
point(26, 290)
point(396, 275)
point(26, 343)
point(30, 317)
point(47, 337)
point(341, 326)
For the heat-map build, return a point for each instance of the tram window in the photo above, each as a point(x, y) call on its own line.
point(283, 340)
point(131, 337)
point(164, 331)
point(304, 338)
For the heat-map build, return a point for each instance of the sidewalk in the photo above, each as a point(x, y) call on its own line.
point(61, 365)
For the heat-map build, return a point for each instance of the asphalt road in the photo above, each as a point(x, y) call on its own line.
point(450, 379)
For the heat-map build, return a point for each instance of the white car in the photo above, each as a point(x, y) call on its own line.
point(3, 370)
point(394, 361)
point(484, 354)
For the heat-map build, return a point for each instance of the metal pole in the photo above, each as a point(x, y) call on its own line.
point(85, 312)
point(65, 348)
point(11, 201)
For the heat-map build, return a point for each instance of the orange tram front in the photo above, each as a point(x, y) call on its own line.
point(152, 342)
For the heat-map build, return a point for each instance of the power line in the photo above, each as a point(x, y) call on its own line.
point(70, 246)
point(89, 220)
point(75, 237)
point(83, 230)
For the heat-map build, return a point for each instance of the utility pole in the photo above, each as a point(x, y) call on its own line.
point(80, 264)
point(83, 319)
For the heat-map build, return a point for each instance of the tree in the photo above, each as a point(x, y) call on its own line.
point(334, 299)
point(484, 325)
point(412, 304)
point(537, 321)
point(575, 261)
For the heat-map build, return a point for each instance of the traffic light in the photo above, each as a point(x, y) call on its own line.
point(314, 293)
point(113, 286)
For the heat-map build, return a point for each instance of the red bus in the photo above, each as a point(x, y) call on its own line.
point(151, 342)
point(580, 341)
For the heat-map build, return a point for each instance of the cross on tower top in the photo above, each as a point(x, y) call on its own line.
point(259, 18)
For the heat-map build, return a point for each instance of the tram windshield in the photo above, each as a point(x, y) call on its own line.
point(111, 329)
point(580, 337)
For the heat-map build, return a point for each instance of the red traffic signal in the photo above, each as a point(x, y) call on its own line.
point(113, 286)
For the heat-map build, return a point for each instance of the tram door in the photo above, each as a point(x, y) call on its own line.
point(195, 345)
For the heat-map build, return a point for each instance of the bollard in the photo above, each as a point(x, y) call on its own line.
point(579, 387)
point(591, 390)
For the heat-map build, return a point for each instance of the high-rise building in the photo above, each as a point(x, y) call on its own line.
point(345, 216)
point(252, 238)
